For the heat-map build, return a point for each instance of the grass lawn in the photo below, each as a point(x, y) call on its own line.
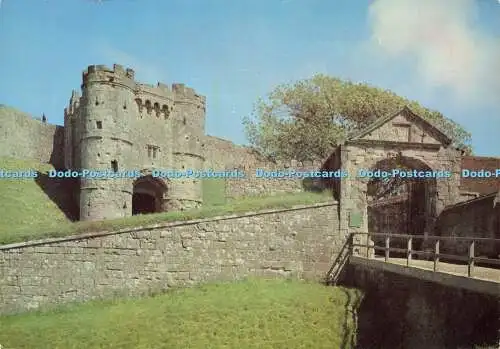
point(28, 213)
point(255, 313)
point(23, 203)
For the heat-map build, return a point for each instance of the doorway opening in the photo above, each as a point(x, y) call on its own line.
point(148, 195)
point(401, 204)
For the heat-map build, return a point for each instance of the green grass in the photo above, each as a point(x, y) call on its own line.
point(30, 214)
point(23, 203)
point(255, 313)
point(214, 192)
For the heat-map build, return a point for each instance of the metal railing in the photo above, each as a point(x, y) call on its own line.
point(471, 259)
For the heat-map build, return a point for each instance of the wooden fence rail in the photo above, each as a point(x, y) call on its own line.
point(471, 258)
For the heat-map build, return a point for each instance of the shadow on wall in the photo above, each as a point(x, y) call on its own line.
point(332, 184)
point(313, 185)
point(61, 191)
point(57, 153)
point(319, 185)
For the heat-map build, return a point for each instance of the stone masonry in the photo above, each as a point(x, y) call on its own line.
point(119, 124)
point(300, 242)
point(23, 137)
point(419, 314)
point(479, 217)
point(413, 141)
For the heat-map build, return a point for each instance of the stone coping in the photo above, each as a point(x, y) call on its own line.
point(160, 226)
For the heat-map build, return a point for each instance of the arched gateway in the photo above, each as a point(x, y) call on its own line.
point(148, 195)
point(424, 176)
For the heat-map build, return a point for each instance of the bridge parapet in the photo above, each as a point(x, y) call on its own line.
point(471, 260)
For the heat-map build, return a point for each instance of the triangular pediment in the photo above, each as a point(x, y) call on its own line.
point(403, 126)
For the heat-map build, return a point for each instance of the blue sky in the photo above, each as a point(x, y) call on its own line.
point(443, 53)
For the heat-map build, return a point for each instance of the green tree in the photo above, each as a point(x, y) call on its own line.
point(307, 119)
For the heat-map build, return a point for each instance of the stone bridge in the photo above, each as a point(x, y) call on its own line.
point(470, 272)
point(422, 241)
point(440, 300)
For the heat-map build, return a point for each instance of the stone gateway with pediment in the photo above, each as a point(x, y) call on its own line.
point(422, 174)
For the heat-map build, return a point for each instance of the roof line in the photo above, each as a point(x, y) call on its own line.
point(405, 110)
point(479, 198)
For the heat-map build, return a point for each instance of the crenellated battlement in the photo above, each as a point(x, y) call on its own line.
point(177, 91)
point(160, 90)
point(117, 69)
point(160, 93)
point(117, 75)
point(187, 94)
point(182, 90)
point(161, 98)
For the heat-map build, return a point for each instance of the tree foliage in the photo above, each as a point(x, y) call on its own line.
point(307, 119)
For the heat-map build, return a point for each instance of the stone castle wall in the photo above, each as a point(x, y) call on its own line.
point(117, 122)
point(300, 242)
point(27, 138)
point(254, 184)
point(24, 137)
point(221, 155)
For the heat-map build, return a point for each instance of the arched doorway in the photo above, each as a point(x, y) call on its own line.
point(401, 204)
point(402, 134)
point(148, 195)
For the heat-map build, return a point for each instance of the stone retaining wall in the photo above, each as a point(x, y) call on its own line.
point(299, 242)
point(478, 217)
point(405, 312)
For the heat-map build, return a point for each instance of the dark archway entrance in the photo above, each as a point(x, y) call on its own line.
point(143, 203)
point(401, 204)
point(148, 195)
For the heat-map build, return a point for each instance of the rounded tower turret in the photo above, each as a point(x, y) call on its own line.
point(188, 126)
point(106, 114)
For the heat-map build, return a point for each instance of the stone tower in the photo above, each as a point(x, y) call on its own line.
point(189, 130)
point(105, 140)
point(122, 126)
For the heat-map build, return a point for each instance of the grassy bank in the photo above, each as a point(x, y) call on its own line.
point(28, 212)
point(248, 314)
point(24, 205)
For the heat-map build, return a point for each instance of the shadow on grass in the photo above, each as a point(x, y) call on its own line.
point(338, 268)
point(354, 298)
point(61, 192)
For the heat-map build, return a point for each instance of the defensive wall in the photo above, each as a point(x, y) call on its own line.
point(24, 137)
point(255, 184)
point(223, 154)
point(300, 242)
